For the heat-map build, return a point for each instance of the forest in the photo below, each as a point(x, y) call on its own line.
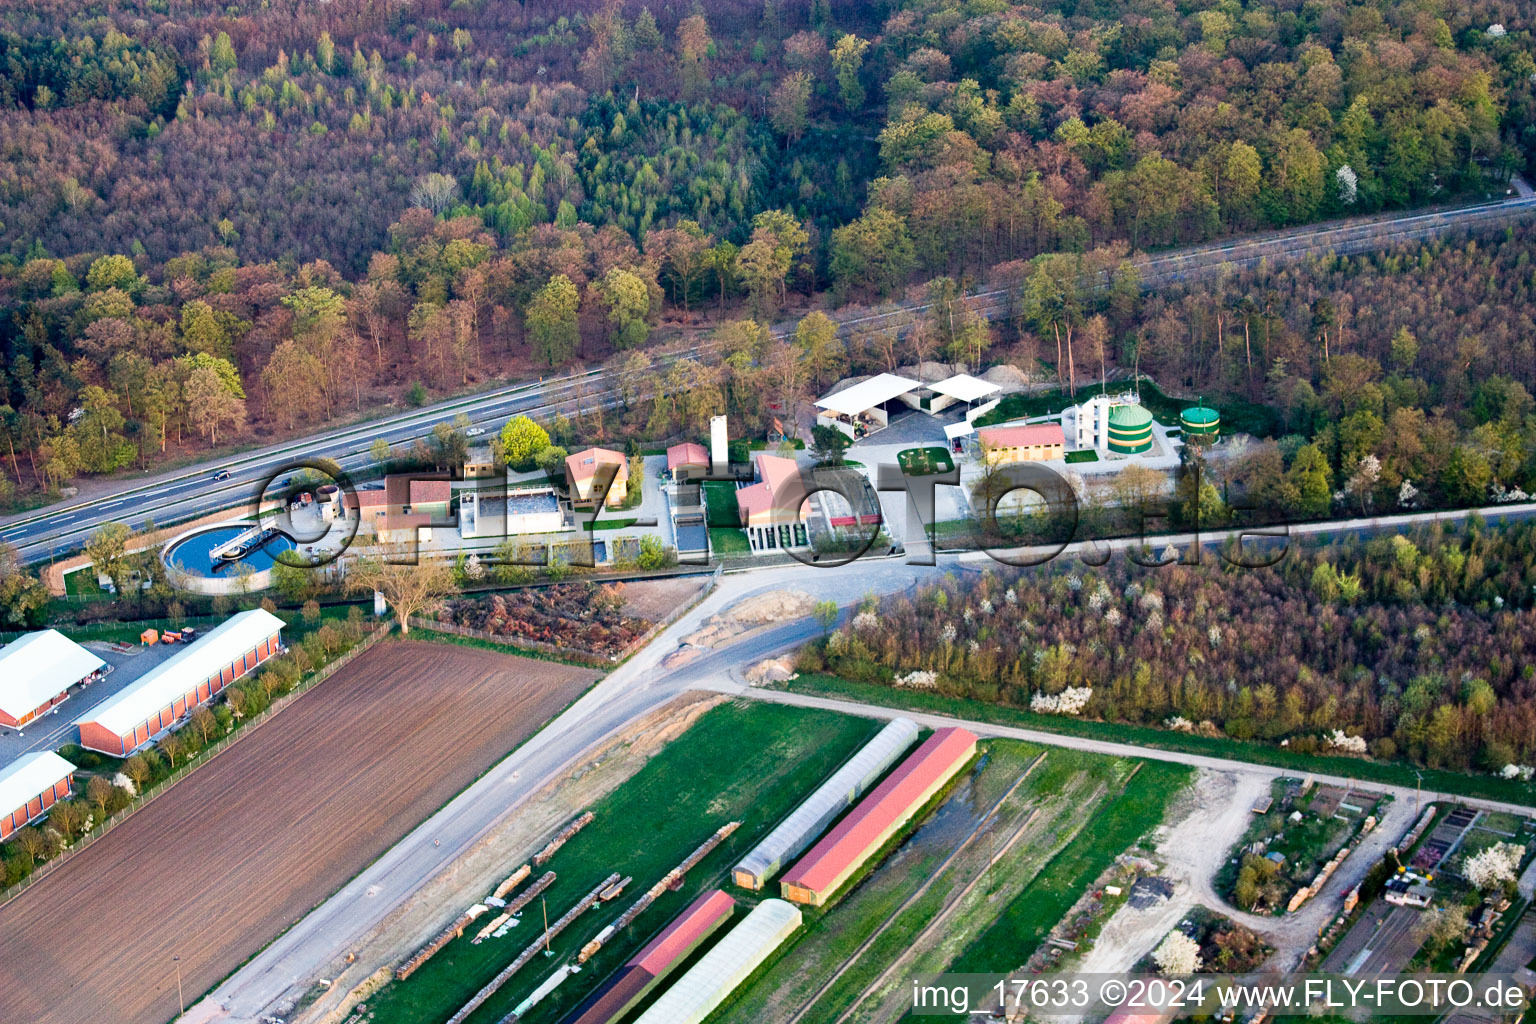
point(1413, 646)
point(231, 221)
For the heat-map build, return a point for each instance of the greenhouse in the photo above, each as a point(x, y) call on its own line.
point(818, 810)
point(732, 961)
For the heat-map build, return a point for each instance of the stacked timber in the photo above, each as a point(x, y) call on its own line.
point(515, 907)
point(512, 881)
point(440, 940)
point(582, 906)
point(652, 894)
point(542, 857)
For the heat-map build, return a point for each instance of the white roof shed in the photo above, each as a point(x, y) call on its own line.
point(174, 677)
point(867, 394)
point(732, 960)
point(38, 667)
point(796, 832)
point(27, 776)
point(962, 387)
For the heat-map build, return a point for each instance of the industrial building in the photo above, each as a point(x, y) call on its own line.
point(29, 786)
point(1112, 424)
point(581, 470)
point(1032, 442)
point(818, 810)
point(667, 951)
point(774, 510)
point(192, 676)
point(819, 874)
point(509, 512)
point(36, 672)
point(732, 961)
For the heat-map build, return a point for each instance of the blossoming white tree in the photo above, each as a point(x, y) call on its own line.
point(1177, 954)
point(1493, 867)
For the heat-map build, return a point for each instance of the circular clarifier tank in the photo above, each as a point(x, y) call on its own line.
point(197, 553)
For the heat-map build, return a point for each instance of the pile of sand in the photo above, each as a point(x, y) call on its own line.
point(772, 670)
point(759, 610)
point(1007, 377)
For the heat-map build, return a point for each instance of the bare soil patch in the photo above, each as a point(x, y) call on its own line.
point(242, 848)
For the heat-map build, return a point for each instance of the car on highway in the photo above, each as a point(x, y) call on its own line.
point(474, 431)
point(222, 474)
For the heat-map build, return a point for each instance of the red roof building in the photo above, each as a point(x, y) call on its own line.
point(879, 816)
point(690, 456)
point(769, 511)
point(1031, 442)
point(640, 976)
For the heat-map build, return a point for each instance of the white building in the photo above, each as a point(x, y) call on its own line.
point(36, 672)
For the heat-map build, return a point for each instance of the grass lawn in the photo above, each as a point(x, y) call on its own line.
point(762, 445)
point(611, 524)
point(82, 583)
point(1399, 773)
point(725, 540)
point(720, 503)
point(924, 461)
point(751, 763)
point(1085, 455)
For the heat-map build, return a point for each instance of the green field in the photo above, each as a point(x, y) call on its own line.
point(1085, 455)
point(1397, 773)
point(724, 540)
point(611, 524)
point(751, 763)
point(720, 503)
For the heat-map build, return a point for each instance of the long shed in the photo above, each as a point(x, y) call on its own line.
point(29, 786)
point(830, 799)
point(36, 672)
point(192, 676)
point(730, 962)
point(646, 969)
point(880, 815)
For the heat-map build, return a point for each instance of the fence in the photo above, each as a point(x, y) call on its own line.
point(208, 754)
point(570, 653)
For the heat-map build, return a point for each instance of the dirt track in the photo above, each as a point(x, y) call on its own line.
point(233, 854)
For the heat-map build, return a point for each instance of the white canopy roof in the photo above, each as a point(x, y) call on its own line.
point(28, 775)
point(964, 428)
point(174, 677)
point(38, 667)
point(867, 394)
point(962, 387)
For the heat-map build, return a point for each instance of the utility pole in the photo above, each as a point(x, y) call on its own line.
point(1418, 784)
point(544, 902)
point(179, 997)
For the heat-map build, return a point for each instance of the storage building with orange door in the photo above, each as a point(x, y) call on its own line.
point(36, 672)
point(817, 876)
point(192, 676)
point(29, 786)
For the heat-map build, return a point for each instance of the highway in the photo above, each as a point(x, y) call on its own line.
point(185, 494)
